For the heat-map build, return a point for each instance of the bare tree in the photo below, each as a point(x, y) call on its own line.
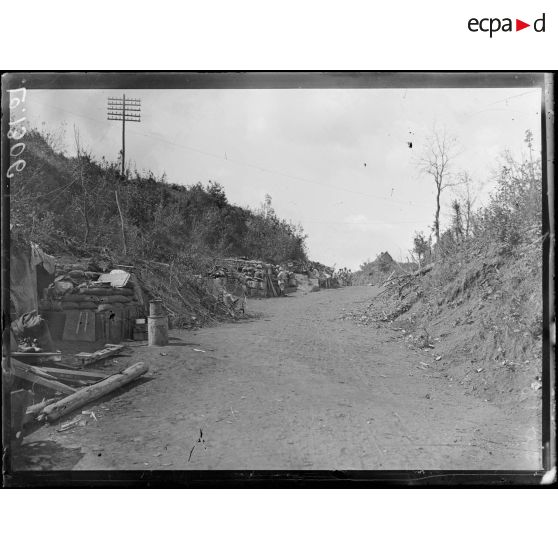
point(436, 161)
point(467, 196)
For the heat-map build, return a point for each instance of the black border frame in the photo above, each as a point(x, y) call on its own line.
point(288, 80)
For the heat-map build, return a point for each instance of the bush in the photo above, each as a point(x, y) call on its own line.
point(514, 213)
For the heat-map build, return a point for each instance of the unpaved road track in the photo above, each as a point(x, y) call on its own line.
point(297, 388)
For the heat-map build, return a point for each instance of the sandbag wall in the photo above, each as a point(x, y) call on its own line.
point(259, 278)
point(78, 307)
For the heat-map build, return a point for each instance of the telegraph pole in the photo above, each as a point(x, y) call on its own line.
point(125, 110)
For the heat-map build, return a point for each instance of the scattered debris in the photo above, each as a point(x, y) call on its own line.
point(90, 414)
point(77, 421)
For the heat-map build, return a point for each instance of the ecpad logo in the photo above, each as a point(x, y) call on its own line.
point(492, 25)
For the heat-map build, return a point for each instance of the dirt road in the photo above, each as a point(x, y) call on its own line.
point(295, 388)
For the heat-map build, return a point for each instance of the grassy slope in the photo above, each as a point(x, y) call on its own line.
point(174, 233)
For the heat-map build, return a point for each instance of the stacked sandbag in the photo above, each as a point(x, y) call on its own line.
point(79, 271)
point(256, 286)
point(91, 296)
point(258, 278)
point(77, 287)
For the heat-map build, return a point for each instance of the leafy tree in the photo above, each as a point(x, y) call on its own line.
point(457, 221)
point(421, 246)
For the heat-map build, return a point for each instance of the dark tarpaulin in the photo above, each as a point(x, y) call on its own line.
point(24, 259)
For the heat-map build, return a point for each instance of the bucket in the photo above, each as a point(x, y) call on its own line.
point(158, 331)
point(156, 307)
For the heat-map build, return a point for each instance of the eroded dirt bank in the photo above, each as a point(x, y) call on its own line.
point(296, 388)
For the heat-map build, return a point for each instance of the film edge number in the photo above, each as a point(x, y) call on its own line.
point(17, 132)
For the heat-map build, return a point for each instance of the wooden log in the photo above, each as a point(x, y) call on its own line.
point(63, 373)
point(36, 376)
point(90, 393)
point(34, 410)
point(54, 357)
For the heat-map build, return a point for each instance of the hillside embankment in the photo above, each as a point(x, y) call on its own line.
point(477, 312)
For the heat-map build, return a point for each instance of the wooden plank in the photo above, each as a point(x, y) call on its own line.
point(79, 325)
point(20, 356)
point(101, 354)
point(29, 373)
point(88, 394)
point(62, 373)
point(64, 365)
point(270, 282)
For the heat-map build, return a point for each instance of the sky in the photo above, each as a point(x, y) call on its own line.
point(336, 161)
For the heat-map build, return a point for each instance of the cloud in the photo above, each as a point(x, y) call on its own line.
point(362, 223)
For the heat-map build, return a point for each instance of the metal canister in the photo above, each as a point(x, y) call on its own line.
point(158, 331)
point(157, 325)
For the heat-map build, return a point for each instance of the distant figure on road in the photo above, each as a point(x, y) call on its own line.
point(243, 279)
point(282, 278)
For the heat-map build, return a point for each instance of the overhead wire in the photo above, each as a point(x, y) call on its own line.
point(157, 136)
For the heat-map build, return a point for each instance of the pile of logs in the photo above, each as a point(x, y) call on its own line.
point(68, 388)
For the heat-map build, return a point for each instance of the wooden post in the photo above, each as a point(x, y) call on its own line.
point(123, 135)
